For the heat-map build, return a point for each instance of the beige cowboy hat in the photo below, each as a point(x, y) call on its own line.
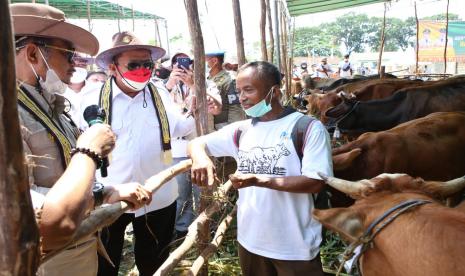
point(126, 41)
point(38, 20)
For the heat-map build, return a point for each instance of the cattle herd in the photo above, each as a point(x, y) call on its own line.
point(405, 146)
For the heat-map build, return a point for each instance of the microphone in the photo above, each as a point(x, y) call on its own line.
point(95, 115)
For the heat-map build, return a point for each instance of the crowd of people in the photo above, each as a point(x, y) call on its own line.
point(323, 70)
point(270, 152)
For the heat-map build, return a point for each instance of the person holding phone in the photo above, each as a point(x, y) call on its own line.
point(181, 87)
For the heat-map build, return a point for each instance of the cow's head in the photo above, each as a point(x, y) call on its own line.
point(344, 114)
point(375, 196)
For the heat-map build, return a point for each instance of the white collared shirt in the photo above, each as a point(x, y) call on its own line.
point(138, 155)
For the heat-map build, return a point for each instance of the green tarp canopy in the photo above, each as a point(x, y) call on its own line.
point(301, 7)
point(99, 9)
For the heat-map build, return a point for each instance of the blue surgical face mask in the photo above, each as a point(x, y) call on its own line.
point(261, 108)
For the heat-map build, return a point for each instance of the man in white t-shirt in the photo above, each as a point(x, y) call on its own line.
point(276, 232)
point(345, 69)
point(323, 70)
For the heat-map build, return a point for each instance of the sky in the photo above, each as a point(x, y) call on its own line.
point(218, 24)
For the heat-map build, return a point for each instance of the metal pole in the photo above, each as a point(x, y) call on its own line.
point(133, 21)
point(167, 38)
point(88, 15)
point(383, 36)
point(276, 34)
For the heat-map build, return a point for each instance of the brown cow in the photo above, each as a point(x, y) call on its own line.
point(431, 147)
point(364, 90)
point(428, 239)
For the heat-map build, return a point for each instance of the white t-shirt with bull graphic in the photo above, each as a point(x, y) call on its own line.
point(272, 223)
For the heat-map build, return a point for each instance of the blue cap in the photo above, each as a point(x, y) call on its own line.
point(215, 54)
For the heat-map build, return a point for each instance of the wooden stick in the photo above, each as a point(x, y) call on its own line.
point(263, 30)
point(447, 32)
point(270, 31)
point(214, 244)
point(193, 232)
point(417, 47)
point(239, 34)
point(19, 238)
point(107, 215)
point(383, 36)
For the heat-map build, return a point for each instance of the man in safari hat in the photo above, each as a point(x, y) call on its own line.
point(45, 47)
point(139, 113)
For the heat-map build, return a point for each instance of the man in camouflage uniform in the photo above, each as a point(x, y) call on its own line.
point(231, 108)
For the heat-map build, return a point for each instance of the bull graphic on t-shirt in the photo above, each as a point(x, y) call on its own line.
point(262, 160)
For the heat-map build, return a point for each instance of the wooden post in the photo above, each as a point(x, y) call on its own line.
point(88, 16)
point(19, 238)
point(383, 36)
point(417, 46)
point(263, 30)
point(201, 121)
point(447, 32)
point(239, 34)
point(382, 72)
point(270, 31)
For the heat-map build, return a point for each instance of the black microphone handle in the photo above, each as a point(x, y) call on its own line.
point(103, 168)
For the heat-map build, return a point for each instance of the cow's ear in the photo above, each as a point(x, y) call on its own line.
point(345, 221)
point(344, 160)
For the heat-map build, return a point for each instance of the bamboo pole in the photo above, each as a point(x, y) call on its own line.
point(107, 215)
point(192, 234)
point(417, 46)
point(239, 35)
point(263, 30)
point(270, 31)
point(19, 235)
point(383, 37)
point(214, 244)
point(447, 32)
point(200, 113)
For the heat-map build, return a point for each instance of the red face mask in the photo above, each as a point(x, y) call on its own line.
point(137, 79)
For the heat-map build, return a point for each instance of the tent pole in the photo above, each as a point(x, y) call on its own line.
point(133, 21)
point(88, 15)
point(167, 38)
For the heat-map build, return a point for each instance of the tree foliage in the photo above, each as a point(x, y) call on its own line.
point(357, 33)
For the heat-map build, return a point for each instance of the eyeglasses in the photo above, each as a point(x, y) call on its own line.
point(134, 65)
point(70, 53)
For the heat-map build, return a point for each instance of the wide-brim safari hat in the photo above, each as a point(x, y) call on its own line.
point(38, 20)
point(126, 41)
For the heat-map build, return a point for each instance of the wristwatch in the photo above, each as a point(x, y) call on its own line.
point(97, 191)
